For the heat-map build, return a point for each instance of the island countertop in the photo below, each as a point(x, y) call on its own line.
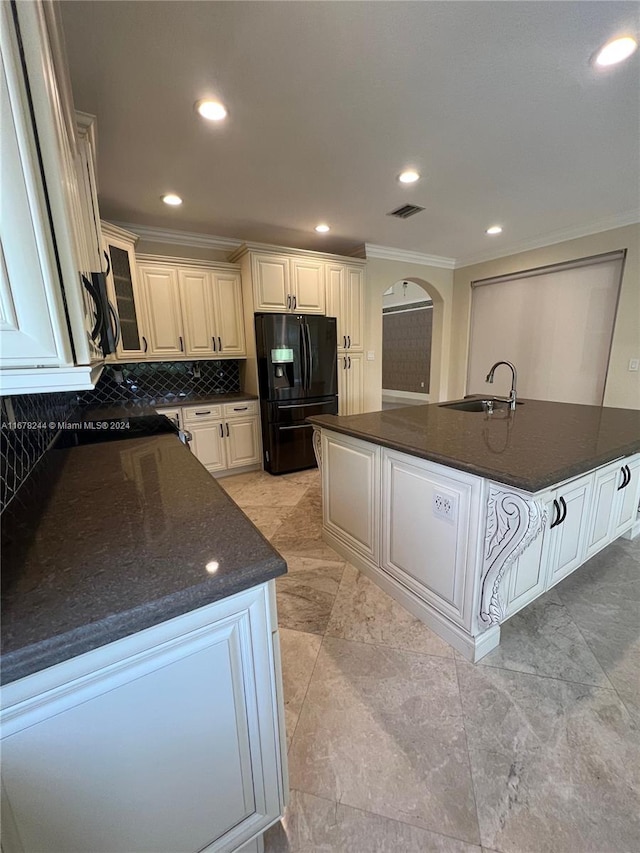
point(538, 445)
point(105, 540)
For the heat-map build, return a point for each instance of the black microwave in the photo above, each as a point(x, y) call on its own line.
point(106, 331)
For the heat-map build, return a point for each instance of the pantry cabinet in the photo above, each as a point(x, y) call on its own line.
point(350, 383)
point(193, 311)
point(345, 301)
point(48, 319)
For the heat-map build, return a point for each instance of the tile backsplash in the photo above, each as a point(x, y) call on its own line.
point(163, 382)
point(29, 424)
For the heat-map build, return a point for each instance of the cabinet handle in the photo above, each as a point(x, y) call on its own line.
point(144, 341)
point(214, 342)
point(288, 303)
point(203, 413)
point(344, 337)
point(349, 357)
point(219, 344)
point(349, 339)
point(564, 511)
point(221, 432)
point(556, 515)
point(240, 409)
point(626, 477)
point(181, 344)
point(108, 260)
point(227, 426)
point(344, 366)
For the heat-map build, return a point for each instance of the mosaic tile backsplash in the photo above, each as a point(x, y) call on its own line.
point(22, 447)
point(152, 383)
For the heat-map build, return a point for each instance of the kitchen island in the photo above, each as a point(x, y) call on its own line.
point(466, 517)
point(142, 702)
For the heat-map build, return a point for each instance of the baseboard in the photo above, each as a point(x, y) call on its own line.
point(471, 648)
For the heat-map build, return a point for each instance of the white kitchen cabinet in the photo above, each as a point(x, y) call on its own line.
point(615, 502)
point(350, 383)
point(224, 437)
point(167, 740)
point(351, 506)
point(46, 314)
point(196, 300)
point(228, 315)
point(345, 301)
point(429, 531)
point(527, 578)
point(288, 284)
point(567, 528)
point(162, 300)
point(125, 292)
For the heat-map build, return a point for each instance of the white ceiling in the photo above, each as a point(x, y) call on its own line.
point(495, 103)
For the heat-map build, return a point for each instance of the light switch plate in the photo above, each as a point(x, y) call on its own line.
point(634, 363)
point(370, 355)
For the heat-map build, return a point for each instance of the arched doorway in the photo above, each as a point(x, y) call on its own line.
point(407, 337)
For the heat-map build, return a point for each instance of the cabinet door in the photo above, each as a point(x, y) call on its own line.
point(351, 491)
point(174, 753)
point(228, 315)
point(335, 301)
point(242, 442)
point(626, 510)
point(355, 382)
point(126, 295)
point(160, 285)
point(528, 576)
point(196, 301)
point(570, 535)
point(271, 287)
point(605, 487)
point(343, 385)
point(307, 286)
point(207, 444)
point(354, 307)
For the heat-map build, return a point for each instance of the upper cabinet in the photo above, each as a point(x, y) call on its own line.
point(284, 284)
point(49, 316)
point(345, 301)
point(125, 292)
point(191, 311)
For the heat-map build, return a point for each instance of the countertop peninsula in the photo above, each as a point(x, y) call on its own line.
point(105, 540)
point(539, 444)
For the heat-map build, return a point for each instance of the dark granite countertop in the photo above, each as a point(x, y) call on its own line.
point(211, 398)
point(539, 444)
point(105, 540)
point(114, 410)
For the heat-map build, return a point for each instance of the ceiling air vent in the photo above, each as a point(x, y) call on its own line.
point(405, 211)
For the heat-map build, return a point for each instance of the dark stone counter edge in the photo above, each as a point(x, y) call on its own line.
point(39, 656)
point(523, 483)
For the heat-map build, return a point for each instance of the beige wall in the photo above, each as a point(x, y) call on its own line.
point(381, 274)
point(622, 386)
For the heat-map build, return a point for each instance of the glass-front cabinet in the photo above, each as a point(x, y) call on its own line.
point(125, 291)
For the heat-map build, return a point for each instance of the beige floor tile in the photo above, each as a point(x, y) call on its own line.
point(365, 613)
point(382, 730)
point(305, 596)
point(556, 765)
point(299, 652)
point(315, 825)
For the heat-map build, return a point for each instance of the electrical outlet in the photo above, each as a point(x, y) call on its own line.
point(370, 355)
point(445, 506)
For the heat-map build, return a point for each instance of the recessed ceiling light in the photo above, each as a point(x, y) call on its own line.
point(495, 229)
point(409, 177)
point(615, 51)
point(212, 110)
point(172, 199)
point(322, 228)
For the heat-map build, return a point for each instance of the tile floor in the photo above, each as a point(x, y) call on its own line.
point(398, 744)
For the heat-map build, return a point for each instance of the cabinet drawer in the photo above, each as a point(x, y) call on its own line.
point(203, 412)
point(241, 408)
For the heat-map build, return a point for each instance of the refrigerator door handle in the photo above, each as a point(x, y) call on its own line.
point(296, 426)
point(309, 357)
point(305, 362)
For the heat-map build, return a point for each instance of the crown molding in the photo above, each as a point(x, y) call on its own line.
point(181, 238)
point(390, 254)
point(632, 217)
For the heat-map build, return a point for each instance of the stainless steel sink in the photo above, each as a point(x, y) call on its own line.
point(483, 404)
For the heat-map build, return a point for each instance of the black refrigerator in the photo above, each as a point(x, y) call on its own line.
point(297, 376)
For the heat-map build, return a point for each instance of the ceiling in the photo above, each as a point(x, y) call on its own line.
point(495, 103)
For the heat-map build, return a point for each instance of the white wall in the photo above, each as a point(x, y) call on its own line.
point(622, 387)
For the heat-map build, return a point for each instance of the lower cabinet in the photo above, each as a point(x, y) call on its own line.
point(567, 528)
point(350, 383)
point(616, 492)
point(168, 740)
point(223, 437)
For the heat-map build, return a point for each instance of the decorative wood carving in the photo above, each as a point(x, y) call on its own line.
point(317, 446)
point(513, 522)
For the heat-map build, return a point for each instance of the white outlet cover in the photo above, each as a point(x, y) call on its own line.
point(634, 363)
point(445, 505)
point(370, 355)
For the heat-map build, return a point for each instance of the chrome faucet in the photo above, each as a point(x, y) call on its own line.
point(512, 398)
